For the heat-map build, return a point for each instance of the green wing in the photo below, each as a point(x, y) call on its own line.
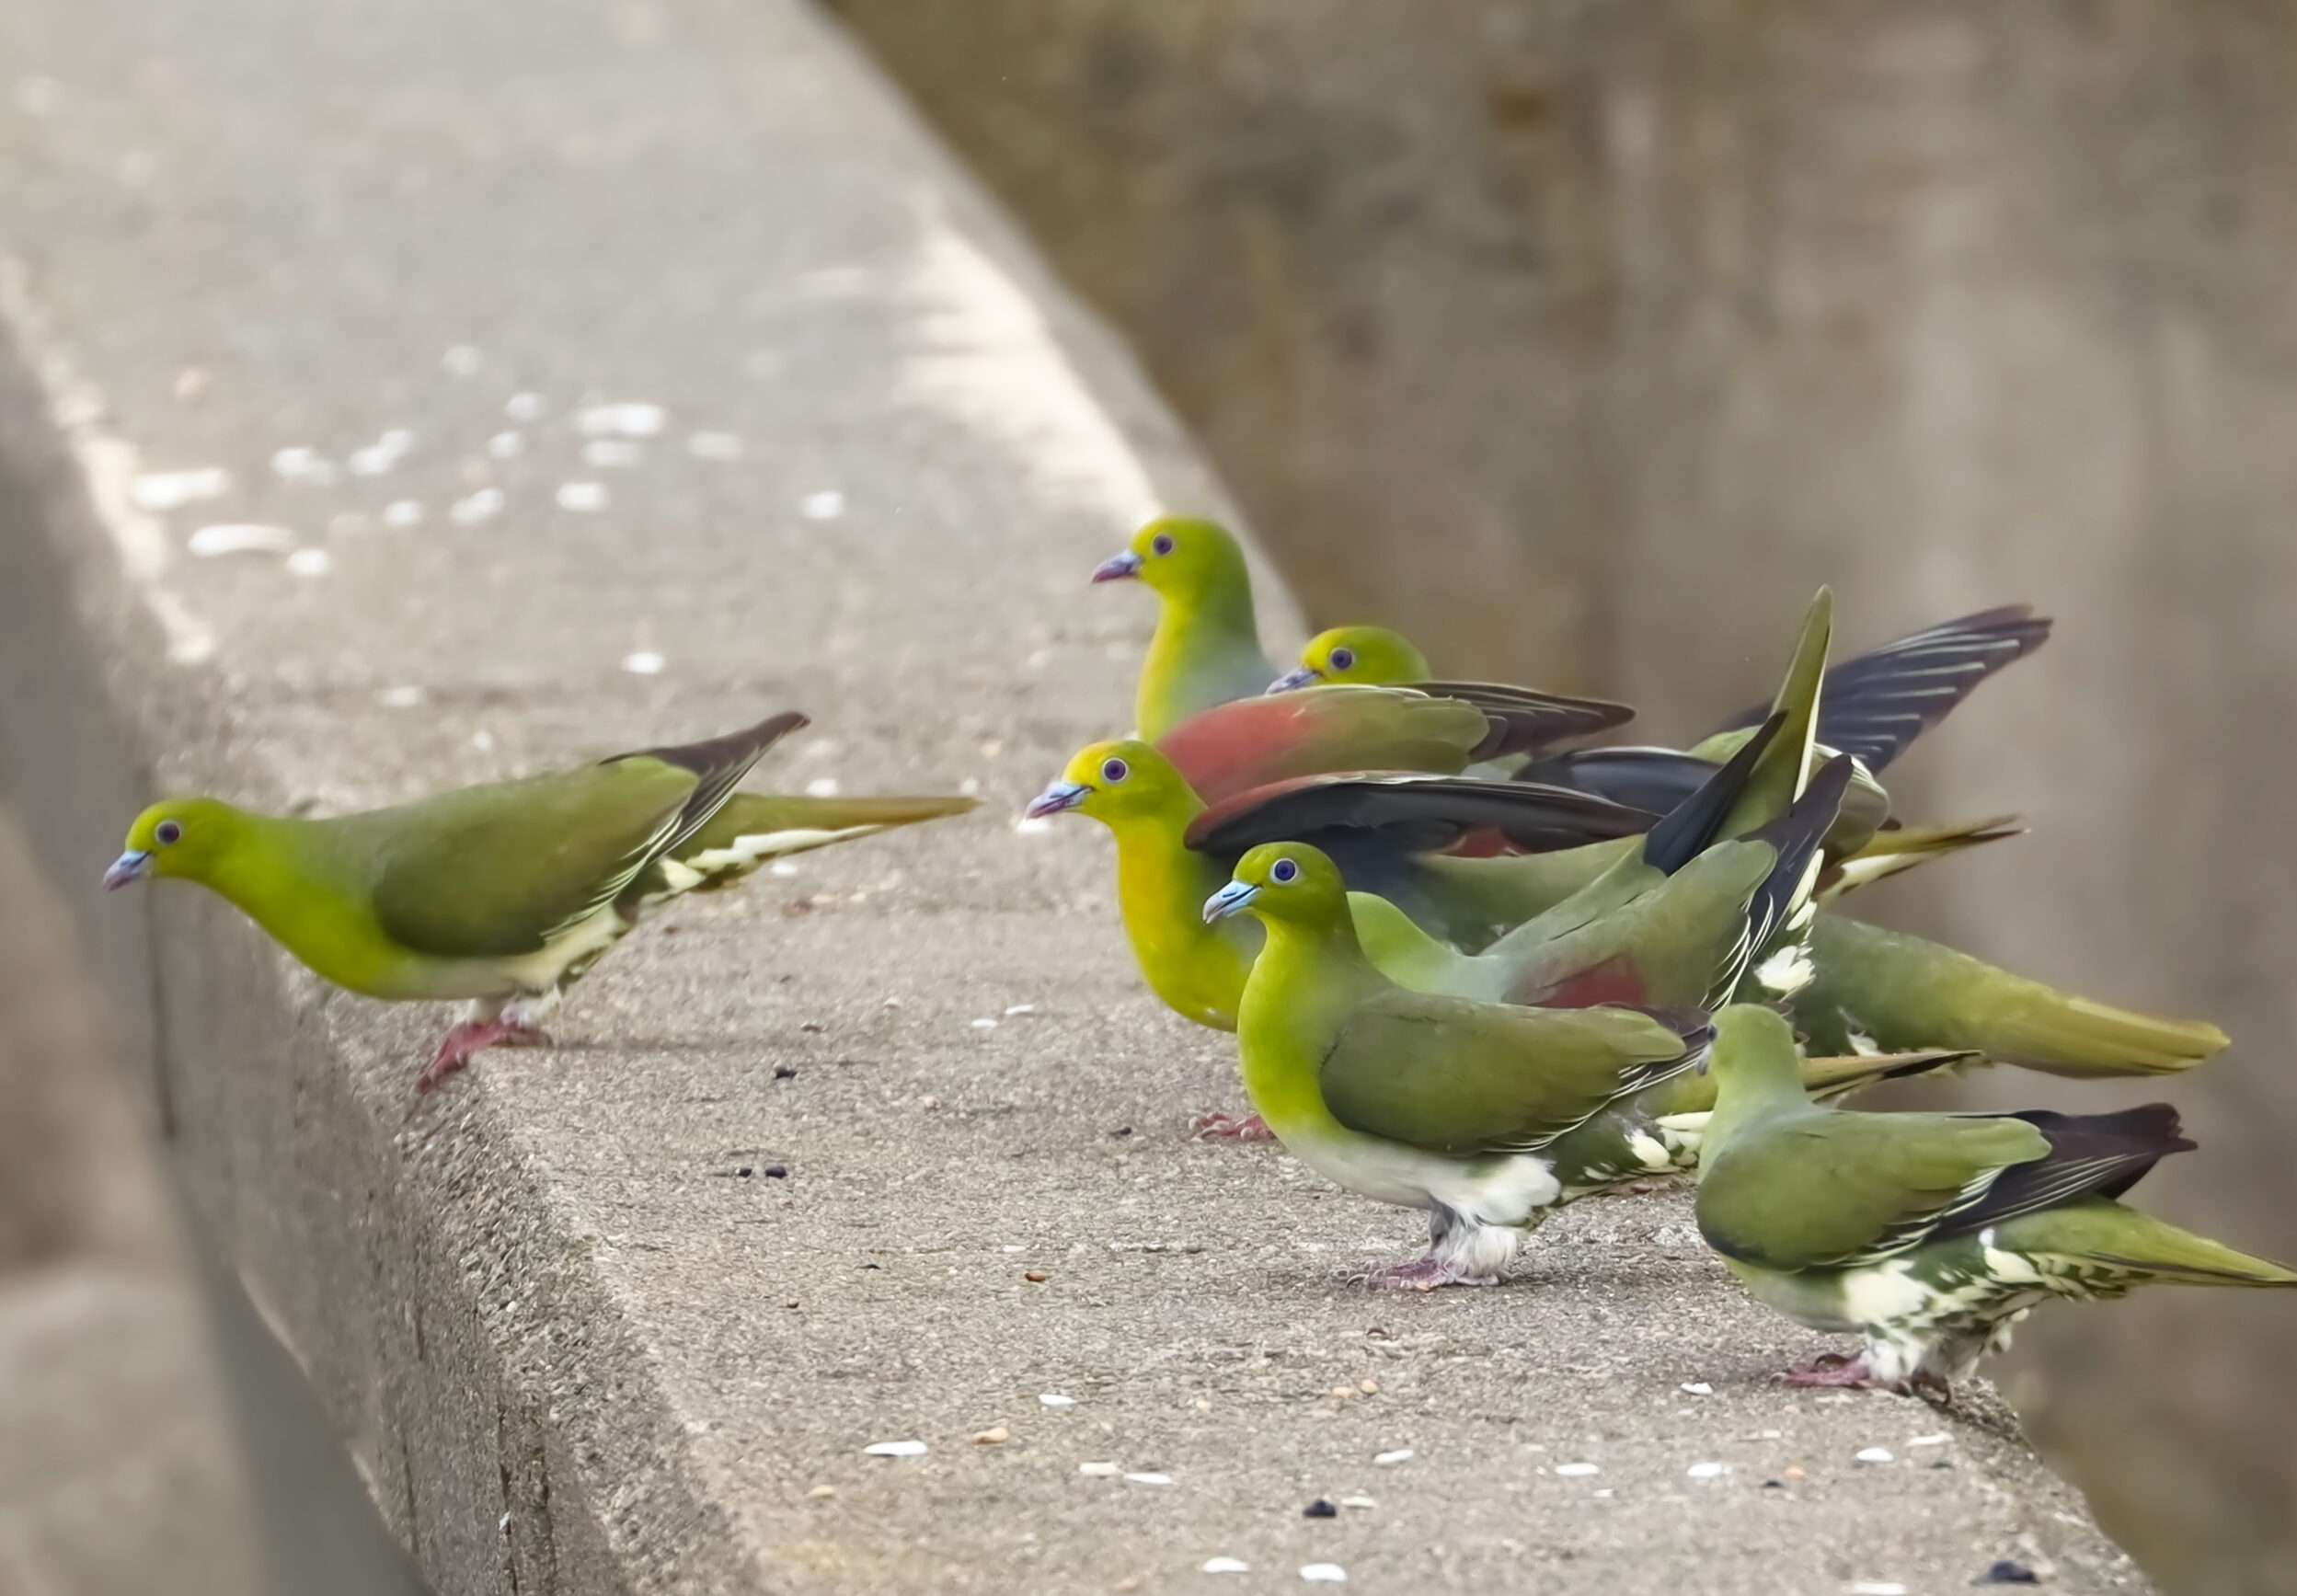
point(1455, 1075)
point(492, 872)
point(1821, 1189)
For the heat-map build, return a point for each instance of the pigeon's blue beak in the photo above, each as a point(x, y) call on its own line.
point(129, 866)
point(1117, 568)
point(1297, 677)
point(1228, 899)
point(1054, 800)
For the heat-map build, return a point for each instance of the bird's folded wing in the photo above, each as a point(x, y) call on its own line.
point(495, 871)
point(1458, 1076)
point(1824, 1191)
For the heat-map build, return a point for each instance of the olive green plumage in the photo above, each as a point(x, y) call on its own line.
point(1930, 1235)
point(503, 893)
point(1427, 1101)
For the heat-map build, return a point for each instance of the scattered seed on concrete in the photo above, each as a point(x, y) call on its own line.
point(1035, 1277)
point(644, 662)
point(820, 1491)
point(1368, 1387)
point(1098, 1470)
point(826, 505)
point(473, 508)
point(310, 562)
point(995, 1435)
point(627, 419)
point(1358, 1503)
point(1578, 1470)
point(403, 512)
point(523, 407)
point(1697, 1388)
point(1324, 1574)
point(1707, 1470)
point(507, 446)
point(1873, 1455)
point(239, 538)
point(1874, 1588)
point(1226, 1566)
point(821, 786)
point(895, 1448)
point(1055, 1399)
point(1150, 1479)
point(582, 497)
point(1929, 1441)
point(298, 464)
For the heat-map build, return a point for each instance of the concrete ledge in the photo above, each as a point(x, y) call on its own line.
point(572, 1347)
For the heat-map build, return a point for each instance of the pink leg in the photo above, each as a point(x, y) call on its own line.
point(1422, 1274)
point(1228, 1128)
point(1834, 1369)
point(476, 1035)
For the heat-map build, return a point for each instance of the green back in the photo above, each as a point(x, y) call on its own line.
point(1454, 1075)
point(494, 871)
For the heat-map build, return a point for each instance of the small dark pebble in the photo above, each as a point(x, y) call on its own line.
point(2005, 1572)
point(1319, 1509)
point(745, 1172)
point(1774, 1484)
point(776, 1172)
point(870, 1265)
point(1942, 1462)
point(784, 1072)
point(811, 1024)
point(1122, 1131)
point(672, 930)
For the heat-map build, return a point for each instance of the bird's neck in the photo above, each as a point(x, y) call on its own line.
point(1301, 989)
point(1750, 1099)
point(284, 875)
point(1161, 884)
point(1206, 648)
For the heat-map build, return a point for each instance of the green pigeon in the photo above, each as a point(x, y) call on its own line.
point(1465, 1109)
point(1207, 647)
point(503, 895)
point(1929, 1236)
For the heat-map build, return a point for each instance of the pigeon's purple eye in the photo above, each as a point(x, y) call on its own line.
point(168, 833)
point(1343, 659)
point(1115, 771)
point(1282, 871)
point(1161, 543)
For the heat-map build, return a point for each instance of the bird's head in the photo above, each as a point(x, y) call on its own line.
point(181, 836)
point(1754, 1049)
point(1185, 559)
point(1284, 883)
point(1117, 781)
point(1368, 656)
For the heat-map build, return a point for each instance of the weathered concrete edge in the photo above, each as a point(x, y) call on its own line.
point(512, 1451)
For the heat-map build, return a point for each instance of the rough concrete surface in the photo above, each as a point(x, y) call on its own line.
point(570, 1344)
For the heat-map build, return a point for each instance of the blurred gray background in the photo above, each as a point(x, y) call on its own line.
point(1584, 337)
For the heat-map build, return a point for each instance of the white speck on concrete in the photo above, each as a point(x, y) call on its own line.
point(1929, 1441)
point(826, 505)
point(1605, 1494)
point(239, 538)
point(984, 1024)
point(1874, 1588)
point(403, 512)
point(310, 562)
point(1150, 1479)
point(1876, 1454)
point(299, 464)
point(643, 663)
point(1707, 1470)
point(1012, 1010)
point(483, 741)
point(382, 454)
point(1697, 1388)
point(1390, 1459)
point(507, 446)
point(582, 496)
point(623, 421)
point(613, 453)
point(1029, 825)
point(399, 698)
point(895, 1448)
point(714, 446)
point(1578, 1470)
point(1226, 1566)
point(173, 489)
point(472, 509)
point(523, 407)
point(1358, 1503)
point(39, 97)
point(1324, 1574)
point(781, 868)
point(821, 786)
point(460, 360)
point(1055, 1399)
point(1098, 1470)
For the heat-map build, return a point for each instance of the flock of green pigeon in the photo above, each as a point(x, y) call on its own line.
point(1470, 969)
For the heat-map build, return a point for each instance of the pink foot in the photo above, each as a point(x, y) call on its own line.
point(1228, 1128)
point(474, 1036)
point(1834, 1369)
point(1423, 1274)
